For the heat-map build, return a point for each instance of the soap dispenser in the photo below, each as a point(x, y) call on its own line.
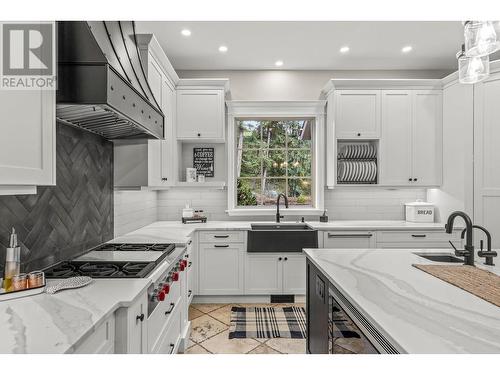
point(324, 218)
point(12, 261)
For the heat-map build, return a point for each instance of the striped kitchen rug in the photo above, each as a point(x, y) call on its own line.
point(267, 322)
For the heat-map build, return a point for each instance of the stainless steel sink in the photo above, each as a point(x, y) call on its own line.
point(281, 237)
point(440, 257)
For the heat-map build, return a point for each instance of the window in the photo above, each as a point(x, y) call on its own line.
point(275, 147)
point(274, 156)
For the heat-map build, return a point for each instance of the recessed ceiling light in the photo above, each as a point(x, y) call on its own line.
point(279, 63)
point(186, 32)
point(406, 49)
point(223, 49)
point(344, 49)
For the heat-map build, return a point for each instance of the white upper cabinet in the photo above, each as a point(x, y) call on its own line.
point(403, 116)
point(396, 140)
point(427, 133)
point(201, 109)
point(411, 142)
point(28, 141)
point(357, 114)
point(151, 163)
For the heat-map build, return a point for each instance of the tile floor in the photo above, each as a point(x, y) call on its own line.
point(210, 332)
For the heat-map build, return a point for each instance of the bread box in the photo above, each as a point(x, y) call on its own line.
point(419, 212)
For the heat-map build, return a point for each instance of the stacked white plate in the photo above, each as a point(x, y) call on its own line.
point(358, 151)
point(357, 171)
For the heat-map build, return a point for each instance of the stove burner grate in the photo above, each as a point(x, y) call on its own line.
point(99, 269)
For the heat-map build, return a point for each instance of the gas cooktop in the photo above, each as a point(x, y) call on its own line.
point(113, 260)
point(163, 247)
point(99, 269)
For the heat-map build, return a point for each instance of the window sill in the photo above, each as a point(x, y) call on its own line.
point(272, 211)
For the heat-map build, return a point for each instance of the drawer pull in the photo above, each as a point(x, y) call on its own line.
point(221, 245)
point(419, 235)
point(221, 236)
point(189, 293)
point(139, 317)
point(172, 346)
point(190, 264)
point(363, 235)
point(172, 305)
point(190, 242)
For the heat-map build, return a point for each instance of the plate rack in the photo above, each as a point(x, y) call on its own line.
point(357, 162)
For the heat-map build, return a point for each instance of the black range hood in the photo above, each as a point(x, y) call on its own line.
point(102, 84)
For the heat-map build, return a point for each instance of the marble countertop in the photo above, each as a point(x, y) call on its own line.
point(416, 312)
point(58, 323)
point(178, 233)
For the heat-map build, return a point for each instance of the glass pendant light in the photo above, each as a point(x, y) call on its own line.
point(480, 38)
point(472, 69)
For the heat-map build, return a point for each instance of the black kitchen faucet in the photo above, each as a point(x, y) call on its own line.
point(278, 216)
point(488, 254)
point(468, 252)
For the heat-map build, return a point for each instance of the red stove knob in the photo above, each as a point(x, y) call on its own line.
point(185, 262)
point(166, 288)
point(175, 276)
point(182, 266)
point(161, 295)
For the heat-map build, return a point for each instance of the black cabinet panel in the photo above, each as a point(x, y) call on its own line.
point(317, 311)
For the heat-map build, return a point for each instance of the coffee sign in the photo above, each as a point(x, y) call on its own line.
point(203, 161)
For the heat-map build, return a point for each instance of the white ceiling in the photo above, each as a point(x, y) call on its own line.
point(309, 45)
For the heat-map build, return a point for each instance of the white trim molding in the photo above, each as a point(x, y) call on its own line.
point(382, 84)
point(238, 109)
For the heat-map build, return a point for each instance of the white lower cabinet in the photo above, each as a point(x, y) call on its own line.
point(102, 340)
point(437, 239)
point(349, 239)
point(169, 343)
point(263, 273)
point(294, 274)
point(221, 268)
point(131, 327)
point(275, 273)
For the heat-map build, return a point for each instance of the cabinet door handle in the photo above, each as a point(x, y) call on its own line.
point(190, 242)
point(359, 134)
point(419, 235)
point(172, 346)
point(190, 264)
point(414, 179)
point(361, 235)
point(172, 305)
point(199, 134)
point(189, 293)
point(409, 179)
point(139, 317)
point(280, 259)
point(221, 236)
point(221, 245)
point(286, 258)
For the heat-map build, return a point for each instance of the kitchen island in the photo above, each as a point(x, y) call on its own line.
point(398, 307)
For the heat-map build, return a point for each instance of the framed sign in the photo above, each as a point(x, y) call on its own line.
point(203, 161)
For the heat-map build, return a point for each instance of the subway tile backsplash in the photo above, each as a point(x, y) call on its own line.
point(134, 209)
point(342, 204)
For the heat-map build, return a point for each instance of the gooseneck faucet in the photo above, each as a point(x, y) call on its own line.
point(278, 216)
point(468, 252)
point(488, 253)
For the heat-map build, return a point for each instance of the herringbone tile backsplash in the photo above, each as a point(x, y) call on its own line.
point(64, 220)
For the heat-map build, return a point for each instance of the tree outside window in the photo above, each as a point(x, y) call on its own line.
point(273, 157)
